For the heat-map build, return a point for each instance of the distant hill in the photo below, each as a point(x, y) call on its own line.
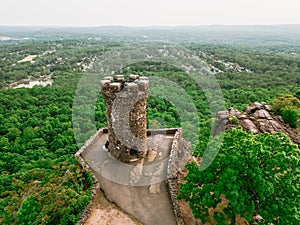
point(288, 34)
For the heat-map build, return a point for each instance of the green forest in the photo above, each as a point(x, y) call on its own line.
point(42, 183)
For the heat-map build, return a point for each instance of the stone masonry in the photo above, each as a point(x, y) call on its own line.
point(126, 116)
point(136, 168)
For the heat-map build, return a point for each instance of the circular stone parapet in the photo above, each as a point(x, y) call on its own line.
point(137, 86)
point(133, 77)
point(118, 78)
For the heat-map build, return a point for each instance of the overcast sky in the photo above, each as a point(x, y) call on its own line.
point(148, 12)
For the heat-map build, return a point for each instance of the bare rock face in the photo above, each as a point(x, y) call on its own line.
point(253, 107)
point(249, 125)
point(262, 114)
point(257, 118)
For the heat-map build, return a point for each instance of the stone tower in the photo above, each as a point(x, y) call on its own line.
point(126, 116)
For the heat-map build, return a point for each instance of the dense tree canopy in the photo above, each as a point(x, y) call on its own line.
point(41, 183)
point(251, 175)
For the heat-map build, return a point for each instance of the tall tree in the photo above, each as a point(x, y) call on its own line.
point(251, 175)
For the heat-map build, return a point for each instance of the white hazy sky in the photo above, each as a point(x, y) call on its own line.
point(148, 12)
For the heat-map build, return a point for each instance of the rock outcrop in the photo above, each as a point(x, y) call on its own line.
point(257, 118)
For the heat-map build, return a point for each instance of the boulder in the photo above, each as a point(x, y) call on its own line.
point(257, 118)
point(262, 114)
point(249, 125)
point(253, 107)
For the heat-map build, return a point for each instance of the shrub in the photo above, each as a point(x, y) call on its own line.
point(234, 120)
point(286, 101)
point(290, 116)
point(288, 106)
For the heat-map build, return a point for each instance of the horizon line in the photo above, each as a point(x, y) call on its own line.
point(148, 26)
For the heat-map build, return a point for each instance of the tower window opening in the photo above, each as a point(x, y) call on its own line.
point(134, 152)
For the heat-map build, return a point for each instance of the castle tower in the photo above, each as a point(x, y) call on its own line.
point(126, 116)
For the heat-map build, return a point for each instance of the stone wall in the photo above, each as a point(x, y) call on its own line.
point(78, 155)
point(158, 207)
point(179, 156)
point(90, 142)
point(147, 207)
point(86, 212)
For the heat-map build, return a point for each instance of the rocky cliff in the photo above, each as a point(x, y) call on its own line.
point(257, 118)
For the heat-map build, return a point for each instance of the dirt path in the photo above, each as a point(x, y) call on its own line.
point(107, 213)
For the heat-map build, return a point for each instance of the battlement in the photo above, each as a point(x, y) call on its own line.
point(135, 86)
